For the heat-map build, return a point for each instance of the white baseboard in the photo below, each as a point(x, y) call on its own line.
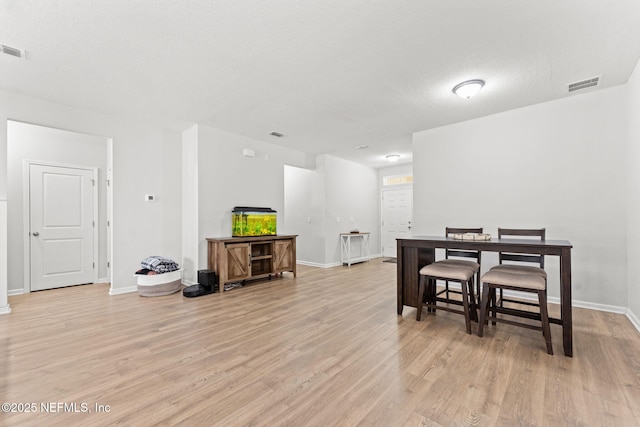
point(633, 319)
point(316, 264)
point(119, 291)
point(331, 264)
point(556, 300)
point(5, 309)
point(594, 306)
point(13, 292)
point(102, 280)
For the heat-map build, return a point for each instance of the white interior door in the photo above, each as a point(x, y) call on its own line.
point(397, 211)
point(61, 215)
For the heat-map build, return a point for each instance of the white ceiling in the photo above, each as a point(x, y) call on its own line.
point(329, 74)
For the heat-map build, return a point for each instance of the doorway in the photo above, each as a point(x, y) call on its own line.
point(29, 144)
point(397, 211)
point(62, 223)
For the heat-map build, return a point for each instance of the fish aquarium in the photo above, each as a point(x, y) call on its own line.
point(248, 221)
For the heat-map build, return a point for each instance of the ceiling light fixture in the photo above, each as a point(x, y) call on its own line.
point(393, 157)
point(468, 89)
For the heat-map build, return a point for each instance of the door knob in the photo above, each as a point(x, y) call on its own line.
point(35, 233)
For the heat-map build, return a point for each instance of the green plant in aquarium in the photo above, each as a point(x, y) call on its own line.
point(247, 223)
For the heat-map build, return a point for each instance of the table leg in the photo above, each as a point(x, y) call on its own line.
point(400, 278)
point(565, 302)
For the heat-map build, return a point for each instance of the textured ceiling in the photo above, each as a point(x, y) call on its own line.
point(329, 74)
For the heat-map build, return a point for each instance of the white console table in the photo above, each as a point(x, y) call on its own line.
point(346, 254)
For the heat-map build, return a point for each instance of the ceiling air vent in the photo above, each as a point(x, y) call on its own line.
point(584, 84)
point(18, 53)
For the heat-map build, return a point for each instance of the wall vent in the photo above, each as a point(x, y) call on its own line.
point(18, 53)
point(583, 84)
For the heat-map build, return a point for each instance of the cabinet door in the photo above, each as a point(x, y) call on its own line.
point(238, 266)
point(284, 258)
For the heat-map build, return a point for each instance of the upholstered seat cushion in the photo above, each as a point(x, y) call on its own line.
point(448, 271)
point(516, 280)
point(520, 269)
point(461, 263)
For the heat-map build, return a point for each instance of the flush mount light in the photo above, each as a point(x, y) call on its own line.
point(468, 89)
point(393, 157)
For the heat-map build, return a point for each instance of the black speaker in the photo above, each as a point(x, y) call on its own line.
point(208, 279)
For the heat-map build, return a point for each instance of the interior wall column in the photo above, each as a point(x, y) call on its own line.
point(4, 292)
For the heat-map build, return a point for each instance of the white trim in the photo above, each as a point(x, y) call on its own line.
point(13, 292)
point(119, 291)
point(4, 284)
point(102, 280)
point(556, 300)
point(26, 254)
point(330, 265)
point(26, 209)
point(109, 210)
point(574, 303)
point(317, 264)
point(633, 319)
point(593, 306)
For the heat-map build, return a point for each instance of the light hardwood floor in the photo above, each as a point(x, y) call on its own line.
point(325, 348)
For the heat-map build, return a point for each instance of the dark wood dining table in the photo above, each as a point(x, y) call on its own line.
point(416, 252)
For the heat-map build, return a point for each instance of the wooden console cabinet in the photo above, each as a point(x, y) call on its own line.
point(235, 259)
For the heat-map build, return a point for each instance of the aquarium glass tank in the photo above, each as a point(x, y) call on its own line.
point(248, 221)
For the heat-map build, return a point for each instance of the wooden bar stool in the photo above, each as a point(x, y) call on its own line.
point(517, 281)
point(440, 270)
point(461, 257)
point(513, 262)
point(517, 272)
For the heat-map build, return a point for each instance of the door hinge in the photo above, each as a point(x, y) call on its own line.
point(93, 182)
point(108, 264)
point(94, 265)
point(93, 223)
point(108, 223)
point(108, 182)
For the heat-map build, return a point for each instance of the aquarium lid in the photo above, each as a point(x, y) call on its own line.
point(243, 209)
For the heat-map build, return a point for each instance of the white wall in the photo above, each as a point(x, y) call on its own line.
point(227, 178)
point(336, 188)
point(304, 203)
point(558, 165)
point(38, 143)
point(146, 160)
point(190, 186)
point(633, 166)
point(351, 195)
point(4, 300)
point(319, 188)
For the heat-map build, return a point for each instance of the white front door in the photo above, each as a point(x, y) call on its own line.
point(61, 216)
point(397, 211)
